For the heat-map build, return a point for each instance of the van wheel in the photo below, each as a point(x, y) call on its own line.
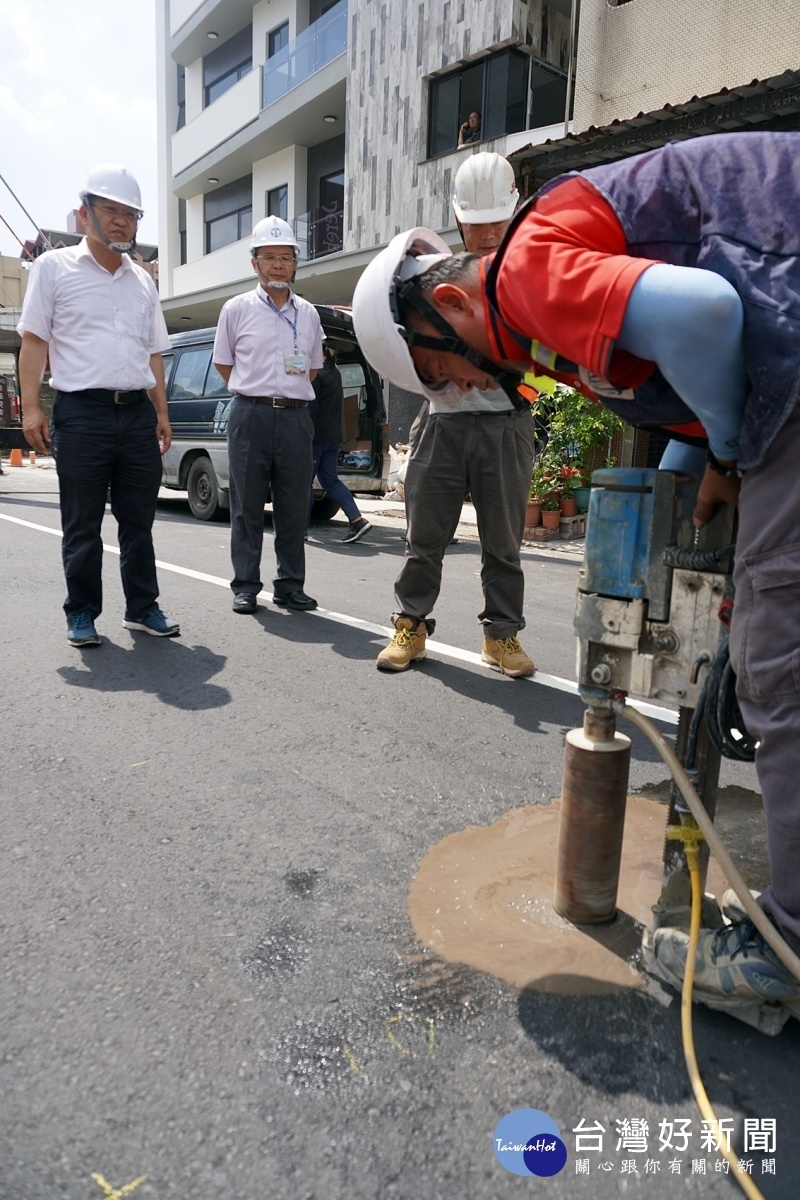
point(324, 508)
point(203, 489)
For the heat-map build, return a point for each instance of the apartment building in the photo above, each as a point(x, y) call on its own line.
point(343, 118)
point(649, 72)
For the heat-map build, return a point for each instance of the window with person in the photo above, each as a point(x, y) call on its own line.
point(502, 93)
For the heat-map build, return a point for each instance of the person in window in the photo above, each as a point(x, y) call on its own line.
point(326, 413)
point(470, 131)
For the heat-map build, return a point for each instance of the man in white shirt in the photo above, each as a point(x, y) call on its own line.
point(479, 443)
point(268, 348)
point(97, 314)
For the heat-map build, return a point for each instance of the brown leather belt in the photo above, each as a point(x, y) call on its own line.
point(276, 401)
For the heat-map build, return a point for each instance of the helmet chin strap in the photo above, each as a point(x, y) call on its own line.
point(451, 343)
point(278, 284)
point(117, 247)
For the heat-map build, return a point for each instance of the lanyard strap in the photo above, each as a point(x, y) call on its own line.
point(271, 304)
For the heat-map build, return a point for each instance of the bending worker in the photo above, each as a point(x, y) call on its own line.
point(477, 443)
point(98, 315)
point(268, 348)
point(667, 286)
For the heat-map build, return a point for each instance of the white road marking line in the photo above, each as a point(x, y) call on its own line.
point(666, 715)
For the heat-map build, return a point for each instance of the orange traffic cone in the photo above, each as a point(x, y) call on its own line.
point(15, 458)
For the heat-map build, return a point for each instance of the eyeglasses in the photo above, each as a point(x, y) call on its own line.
point(111, 210)
point(286, 260)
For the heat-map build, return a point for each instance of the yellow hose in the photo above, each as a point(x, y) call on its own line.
point(700, 1095)
point(731, 872)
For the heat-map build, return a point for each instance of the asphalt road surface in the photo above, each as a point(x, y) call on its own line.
point(211, 988)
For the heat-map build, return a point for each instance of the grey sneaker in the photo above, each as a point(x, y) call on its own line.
point(154, 622)
point(80, 630)
point(357, 530)
point(734, 962)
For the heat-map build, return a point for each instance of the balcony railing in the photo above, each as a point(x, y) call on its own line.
point(316, 46)
point(320, 231)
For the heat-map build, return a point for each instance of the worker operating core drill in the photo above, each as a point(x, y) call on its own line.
point(667, 287)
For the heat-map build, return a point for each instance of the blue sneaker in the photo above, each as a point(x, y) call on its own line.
point(80, 629)
point(734, 961)
point(154, 622)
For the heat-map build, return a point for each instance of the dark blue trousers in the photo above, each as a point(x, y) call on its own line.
point(269, 456)
point(100, 445)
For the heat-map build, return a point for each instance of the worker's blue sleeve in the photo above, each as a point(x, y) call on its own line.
point(689, 322)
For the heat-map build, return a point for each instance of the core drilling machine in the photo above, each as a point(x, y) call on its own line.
point(654, 601)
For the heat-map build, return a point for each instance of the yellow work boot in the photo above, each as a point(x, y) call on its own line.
point(407, 645)
point(508, 655)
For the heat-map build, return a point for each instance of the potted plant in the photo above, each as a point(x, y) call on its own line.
point(533, 511)
point(551, 512)
point(567, 502)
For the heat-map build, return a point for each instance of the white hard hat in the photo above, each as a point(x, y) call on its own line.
point(272, 231)
point(374, 309)
point(485, 190)
point(112, 181)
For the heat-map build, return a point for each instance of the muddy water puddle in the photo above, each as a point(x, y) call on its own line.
point(483, 897)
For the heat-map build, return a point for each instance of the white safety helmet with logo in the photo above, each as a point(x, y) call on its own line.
point(272, 231)
point(485, 190)
point(388, 282)
point(112, 181)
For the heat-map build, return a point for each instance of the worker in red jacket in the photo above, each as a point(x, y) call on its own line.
point(666, 286)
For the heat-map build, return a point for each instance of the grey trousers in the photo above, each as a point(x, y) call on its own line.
point(489, 456)
point(269, 454)
point(765, 653)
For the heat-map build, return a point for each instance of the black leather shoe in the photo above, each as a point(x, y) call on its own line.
point(244, 602)
point(297, 600)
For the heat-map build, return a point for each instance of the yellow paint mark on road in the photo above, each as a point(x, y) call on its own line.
point(352, 1061)
point(112, 1193)
point(412, 1021)
point(140, 764)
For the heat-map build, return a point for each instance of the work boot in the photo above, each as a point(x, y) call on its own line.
point(508, 655)
point(407, 645)
point(733, 962)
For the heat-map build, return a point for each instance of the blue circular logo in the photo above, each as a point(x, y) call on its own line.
point(545, 1154)
point(528, 1142)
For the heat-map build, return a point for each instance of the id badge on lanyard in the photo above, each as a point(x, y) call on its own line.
point(296, 364)
point(293, 364)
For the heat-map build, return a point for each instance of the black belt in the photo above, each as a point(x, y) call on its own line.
point(275, 401)
point(111, 397)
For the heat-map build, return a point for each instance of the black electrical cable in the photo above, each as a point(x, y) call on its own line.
point(695, 560)
point(723, 717)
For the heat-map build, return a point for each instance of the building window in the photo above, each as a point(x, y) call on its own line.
point(278, 202)
point(498, 89)
point(226, 65)
point(229, 213)
point(548, 96)
point(277, 39)
point(181, 97)
point(182, 229)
